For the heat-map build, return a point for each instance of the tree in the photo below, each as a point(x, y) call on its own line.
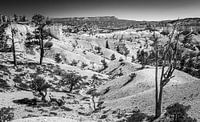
point(38, 19)
point(41, 43)
point(93, 91)
point(41, 34)
point(169, 61)
point(13, 31)
point(72, 79)
point(15, 18)
point(122, 49)
point(23, 19)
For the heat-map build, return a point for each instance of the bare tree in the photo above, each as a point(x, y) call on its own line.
point(169, 61)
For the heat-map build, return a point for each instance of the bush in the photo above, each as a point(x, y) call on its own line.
point(48, 45)
point(6, 114)
point(137, 116)
point(112, 57)
point(105, 65)
point(165, 32)
point(132, 59)
point(178, 113)
point(121, 59)
point(122, 49)
point(58, 58)
point(98, 49)
point(83, 65)
point(74, 63)
point(39, 87)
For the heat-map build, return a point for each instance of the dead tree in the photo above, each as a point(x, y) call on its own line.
point(169, 61)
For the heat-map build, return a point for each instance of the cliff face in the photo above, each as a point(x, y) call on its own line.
point(113, 22)
point(101, 22)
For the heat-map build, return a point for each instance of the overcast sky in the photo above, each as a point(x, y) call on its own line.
point(124, 9)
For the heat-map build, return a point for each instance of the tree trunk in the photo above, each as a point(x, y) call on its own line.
point(94, 106)
point(41, 48)
point(71, 88)
point(13, 50)
point(156, 84)
point(159, 109)
point(43, 95)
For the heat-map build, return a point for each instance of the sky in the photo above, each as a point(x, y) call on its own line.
point(124, 9)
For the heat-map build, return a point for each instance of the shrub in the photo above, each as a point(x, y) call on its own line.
point(48, 45)
point(165, 32)
point(58, 58)
point(83, 65)
point(121, 59)
point(74, 63)
point(4, 85)
point(112, 57)
point(132, 59)
point(98, 49)
point(122, 49)
point(178, 113)
point(6, 114)
point(138, 116)
point(105, 65)
point(39, 87)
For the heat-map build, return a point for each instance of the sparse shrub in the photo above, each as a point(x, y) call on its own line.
point(39, 70)
point(138, 116)
point(165, 32)
point(17, 79)
point(83, 65)
point(48, 45)
point(74, 63)
point(4, 85)
point(107, 45)
point(39, 87)
point(94, 80)
point(185, 32)
point(98, 49)
point(58, 58)
point(94, 94)
point(121, 59)
point(105, 65)
point(122, 49)
point(6, 114)
point(112, 57)
point(132, 59)
point(59, 72)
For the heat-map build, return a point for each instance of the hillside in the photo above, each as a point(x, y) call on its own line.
point(110, 63)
